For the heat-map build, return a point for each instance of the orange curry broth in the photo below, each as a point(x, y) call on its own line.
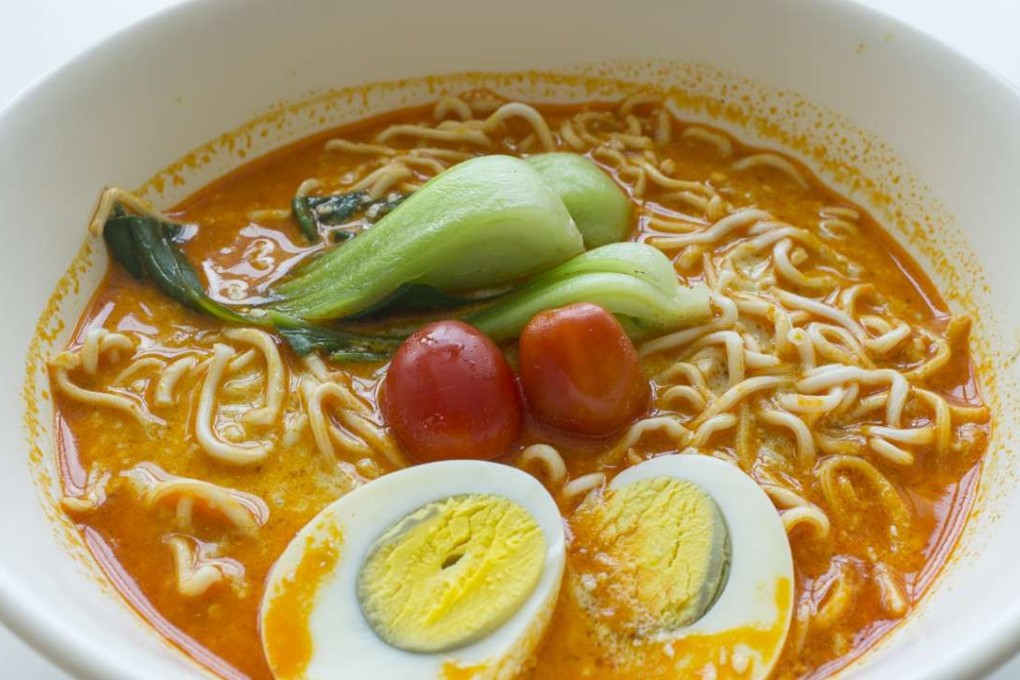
point(286, 626)
point(220, 628)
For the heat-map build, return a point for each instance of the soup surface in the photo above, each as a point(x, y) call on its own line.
point(831, 372)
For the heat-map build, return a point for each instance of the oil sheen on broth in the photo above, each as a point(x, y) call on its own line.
point(832, 372)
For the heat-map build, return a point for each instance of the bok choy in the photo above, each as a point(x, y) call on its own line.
point(634, 281)
point(147, 249)
point(484, 223)
point(599, 207)
point(340, 344)
point(493, 241)
point(313, 213)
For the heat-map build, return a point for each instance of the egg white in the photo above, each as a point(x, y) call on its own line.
point(345, 646)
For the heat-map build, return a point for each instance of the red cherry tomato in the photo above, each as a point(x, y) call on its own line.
point(449, 393)
point(580, 371)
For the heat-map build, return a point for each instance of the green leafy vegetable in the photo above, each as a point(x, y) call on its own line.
point(634, 281)
point(412, 298)
point(117, 234)
point(311, 212)
point(484, 223)
point(146, 247)
point(339, 344)
point(600, 208)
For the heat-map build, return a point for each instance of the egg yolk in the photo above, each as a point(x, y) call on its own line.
point(658, 552)
point(451, 572)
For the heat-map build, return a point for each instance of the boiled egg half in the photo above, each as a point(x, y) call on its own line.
point(445, 570)
point(682, 568)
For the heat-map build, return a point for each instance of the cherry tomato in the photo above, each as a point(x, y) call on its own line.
point(580, 371)
point(449, 393)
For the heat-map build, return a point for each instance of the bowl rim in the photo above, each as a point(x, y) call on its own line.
point(60, 644)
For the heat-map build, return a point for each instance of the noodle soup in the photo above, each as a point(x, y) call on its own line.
point(827, 369)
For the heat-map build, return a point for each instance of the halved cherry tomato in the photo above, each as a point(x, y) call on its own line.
point(580, 371)
point(449, 393)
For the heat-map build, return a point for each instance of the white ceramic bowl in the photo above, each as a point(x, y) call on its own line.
point(939, 135)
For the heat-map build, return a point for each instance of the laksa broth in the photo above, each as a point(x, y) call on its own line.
point(487, 389)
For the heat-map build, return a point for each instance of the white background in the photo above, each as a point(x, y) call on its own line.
point(37, 36)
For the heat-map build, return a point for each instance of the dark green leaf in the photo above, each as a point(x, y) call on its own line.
point(340, 344)
point(384, 206)
point(145, 246)
point(340, 235)
point(305, 218)
point(315, 212)
point(311, 212)
point(342, 356)
point(333, 211)
point(117, 234)
point(414, 298)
